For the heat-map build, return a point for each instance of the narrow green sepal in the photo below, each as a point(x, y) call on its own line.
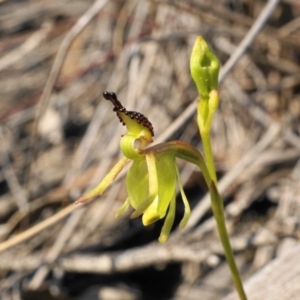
point(167, 178)
point(103, 185)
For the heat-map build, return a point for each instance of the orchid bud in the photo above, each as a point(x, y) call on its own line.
point(204, 67)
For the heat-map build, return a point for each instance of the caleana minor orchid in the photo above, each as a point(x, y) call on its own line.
point(153, 175)
point(152, 178)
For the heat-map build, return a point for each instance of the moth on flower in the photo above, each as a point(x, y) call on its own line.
point(153, 176)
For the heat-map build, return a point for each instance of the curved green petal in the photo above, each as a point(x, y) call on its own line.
point(165, 231)
point(187, 209)
point(166, 175)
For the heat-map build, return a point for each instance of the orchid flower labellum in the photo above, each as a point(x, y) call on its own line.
point(153, 176)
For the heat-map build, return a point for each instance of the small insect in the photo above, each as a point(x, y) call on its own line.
point(119, 108)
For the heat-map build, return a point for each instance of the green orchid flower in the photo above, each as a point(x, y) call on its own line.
point(153, 176)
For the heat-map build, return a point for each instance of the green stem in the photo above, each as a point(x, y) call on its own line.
point(218, 210)
point(204, 120)
point(205, 115)
point(205, 136)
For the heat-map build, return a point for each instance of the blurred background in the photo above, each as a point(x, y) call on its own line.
point(59, 137)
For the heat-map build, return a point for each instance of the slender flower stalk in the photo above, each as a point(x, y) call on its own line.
point(218, 211)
